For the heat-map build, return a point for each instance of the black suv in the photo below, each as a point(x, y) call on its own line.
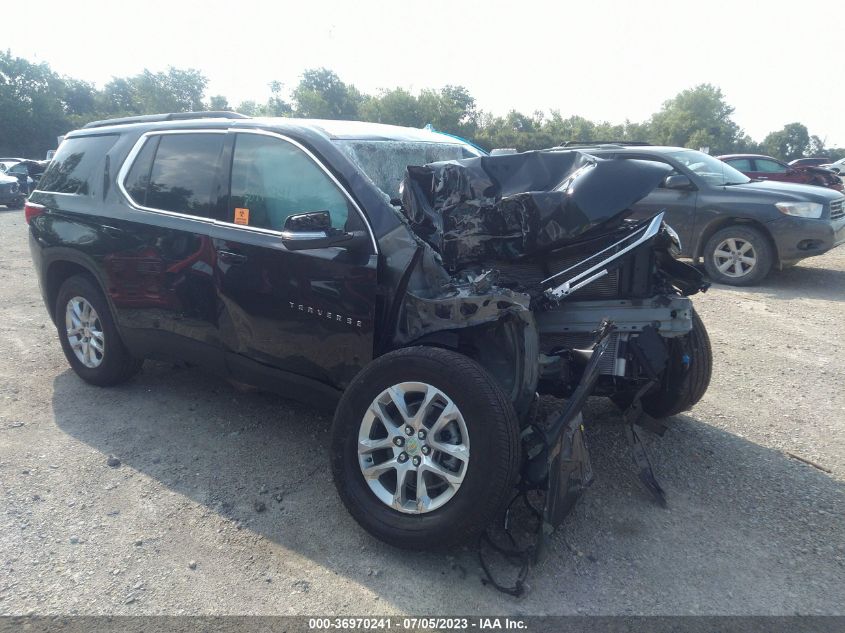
point(740, 227)
point(426, 291)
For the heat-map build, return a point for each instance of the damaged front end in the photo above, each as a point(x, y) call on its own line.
point(521, 257)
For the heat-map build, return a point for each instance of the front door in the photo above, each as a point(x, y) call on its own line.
point(679, 205)
point(308, 312)
point(769, 169)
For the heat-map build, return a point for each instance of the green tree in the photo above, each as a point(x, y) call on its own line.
point(697, 117)
point(451, 109)
point(396, 107)
point(32, 100)
point(321, 94)
point(792, 142)
point(217, 103)
point(175, 90)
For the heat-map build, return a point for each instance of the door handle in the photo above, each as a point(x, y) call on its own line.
point(228, 257)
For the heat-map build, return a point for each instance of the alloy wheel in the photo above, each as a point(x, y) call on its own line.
point(85, 332)
point(735, 257)
point(413, 447)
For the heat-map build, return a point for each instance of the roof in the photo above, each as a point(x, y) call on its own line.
point(730, 156)
point(332, 129)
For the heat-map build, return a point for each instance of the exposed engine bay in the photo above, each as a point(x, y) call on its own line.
point(540, 243)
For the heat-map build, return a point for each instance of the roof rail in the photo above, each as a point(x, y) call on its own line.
point(594, 143)
point(172, 116)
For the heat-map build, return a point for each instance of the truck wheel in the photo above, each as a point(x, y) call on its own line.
point(738, 256)
point(88, 335)
point(681, 388)
point(425, 448)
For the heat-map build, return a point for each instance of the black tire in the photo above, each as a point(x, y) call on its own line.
point(681, 388)
point(762, 248)
point(116, 365)
point(492, 427)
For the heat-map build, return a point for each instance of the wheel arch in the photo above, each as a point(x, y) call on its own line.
point(63, 266)
point(507, 349)
point(721, 223)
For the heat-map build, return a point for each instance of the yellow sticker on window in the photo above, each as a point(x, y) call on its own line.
point(241, 216)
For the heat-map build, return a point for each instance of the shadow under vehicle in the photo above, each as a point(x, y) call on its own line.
point(426, 291)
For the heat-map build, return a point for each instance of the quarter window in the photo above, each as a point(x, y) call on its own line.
point(182, 174)
point(273, 179)
point(73, 165)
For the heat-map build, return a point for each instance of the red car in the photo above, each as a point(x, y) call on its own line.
point(761, 167)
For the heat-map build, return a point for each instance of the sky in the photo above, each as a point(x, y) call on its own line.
point(775, 61)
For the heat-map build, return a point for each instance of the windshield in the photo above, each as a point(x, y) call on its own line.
point(385, 161)
point(714, 171)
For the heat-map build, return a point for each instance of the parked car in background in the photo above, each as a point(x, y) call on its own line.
point(761, 167)
point(7, 162)
point(28, 173)
point(10, 193)
point(816, 161)
point(837, 167)
point(739, 227)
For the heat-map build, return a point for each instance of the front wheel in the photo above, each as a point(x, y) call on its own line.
point(738, 256)
point(425, 448)
point(687, 373)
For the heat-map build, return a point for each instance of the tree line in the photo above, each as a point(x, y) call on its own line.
point(37, 105)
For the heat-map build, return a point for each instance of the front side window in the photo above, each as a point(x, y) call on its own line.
point(708, 168)
point(176, 172)
point(273, 179)
point(770, 166)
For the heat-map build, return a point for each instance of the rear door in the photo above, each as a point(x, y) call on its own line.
point(308, 312)
point(160, 267)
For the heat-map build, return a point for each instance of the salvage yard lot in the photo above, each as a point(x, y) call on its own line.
point(223, 502)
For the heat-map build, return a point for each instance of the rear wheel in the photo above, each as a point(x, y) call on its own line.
point(425, 448)
point(88, 334)
point(738, 256)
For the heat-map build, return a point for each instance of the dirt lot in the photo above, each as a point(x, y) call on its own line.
point(175, 528)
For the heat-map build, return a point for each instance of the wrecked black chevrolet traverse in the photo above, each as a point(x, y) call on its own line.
point(429, 290)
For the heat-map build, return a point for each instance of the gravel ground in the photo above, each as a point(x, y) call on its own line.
point(220, 501)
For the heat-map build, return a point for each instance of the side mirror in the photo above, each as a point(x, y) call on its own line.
point(677, 181)
point(304, 231)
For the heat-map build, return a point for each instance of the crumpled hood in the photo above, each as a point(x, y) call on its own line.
point(510, 206)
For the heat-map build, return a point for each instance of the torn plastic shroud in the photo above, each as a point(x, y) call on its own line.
point(511, 206)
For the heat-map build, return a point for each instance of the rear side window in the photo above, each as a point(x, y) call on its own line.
point(769, 166)
point(73, 166)
point(176, 172)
